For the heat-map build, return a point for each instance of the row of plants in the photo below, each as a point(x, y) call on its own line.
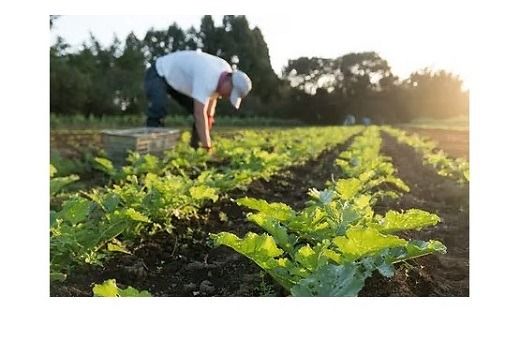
point(247, 155)
point(148, 193)
point(455, 168)
point(121, 121)
point(337, 241)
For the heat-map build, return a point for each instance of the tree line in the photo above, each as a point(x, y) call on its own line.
point(98, 81)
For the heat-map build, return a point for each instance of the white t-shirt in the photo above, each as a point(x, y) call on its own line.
point(192, 73)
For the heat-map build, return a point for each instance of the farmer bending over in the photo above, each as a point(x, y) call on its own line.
point(195, 80)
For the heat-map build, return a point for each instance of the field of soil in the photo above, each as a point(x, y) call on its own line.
point(185, 264)
point(433, 275)
point(454, 142)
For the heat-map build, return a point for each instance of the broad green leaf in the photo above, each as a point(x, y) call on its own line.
point(382, 262)
point(185, 137)
point(311, 223)
point(349, 215)
point(53, 170)
point(367, 175)
point(386, 269)
point(279, 211)
point(345, 167)
point(332, 255)
point(261, 249)
point(362, 201)
point(273, 227)
point(106, 289)
point(348, 188)
point(324, 197)
point(116, 246)
point(75, 210)
point(312, 257)
point(399, 183)
point(307, 257)
point(55, 276)
point(59, 182)
point(203, 192)
point(141, 164)
point(104, 165)
point(418, 248)
point(132, 292)
point(109, 289)
point(106, 200)
point(331, 280)
point(150, 180)
point(112, 230)
point(111, 201)
point(411, 219)
point(360, 242)
point(134, 215)
point(339, 216)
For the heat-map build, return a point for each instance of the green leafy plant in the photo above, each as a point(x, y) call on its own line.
point(58, 183)
point(455, 168)
point(330, 247)
point(149, 192)
point(313, 242)
point(109, 288)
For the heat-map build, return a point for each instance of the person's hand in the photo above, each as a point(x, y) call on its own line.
point(211, 121)
point(209, 149)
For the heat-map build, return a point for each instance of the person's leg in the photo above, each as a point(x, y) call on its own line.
point(194, 141)
point(187, 103)
point(156, 94)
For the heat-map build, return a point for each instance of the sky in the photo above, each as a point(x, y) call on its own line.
point(437, 39)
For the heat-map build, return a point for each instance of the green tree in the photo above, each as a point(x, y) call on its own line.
point(99, 64)
point(129, 73)
point(437, 94)
point(358, 84)
point(68, 85)
point(209, 35)
point(157, 43)
point(311, 74)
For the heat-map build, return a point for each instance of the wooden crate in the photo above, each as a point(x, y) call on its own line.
point(117, 143)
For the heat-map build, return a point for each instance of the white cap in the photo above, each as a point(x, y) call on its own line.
point(241, 87)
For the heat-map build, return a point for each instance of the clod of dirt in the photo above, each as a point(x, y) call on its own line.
point(189, 286)
point(206, 287)
point(195, 266)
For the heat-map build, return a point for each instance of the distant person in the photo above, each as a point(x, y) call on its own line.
point(350, 120)
point(195, 80)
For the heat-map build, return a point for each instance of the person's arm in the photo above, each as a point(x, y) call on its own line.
point(210, 111)
point(201, 123)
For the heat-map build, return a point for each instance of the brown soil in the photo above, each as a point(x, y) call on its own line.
point(454, 142)
point(433, 275)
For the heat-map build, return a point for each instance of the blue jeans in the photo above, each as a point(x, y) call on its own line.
point(157, 90)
